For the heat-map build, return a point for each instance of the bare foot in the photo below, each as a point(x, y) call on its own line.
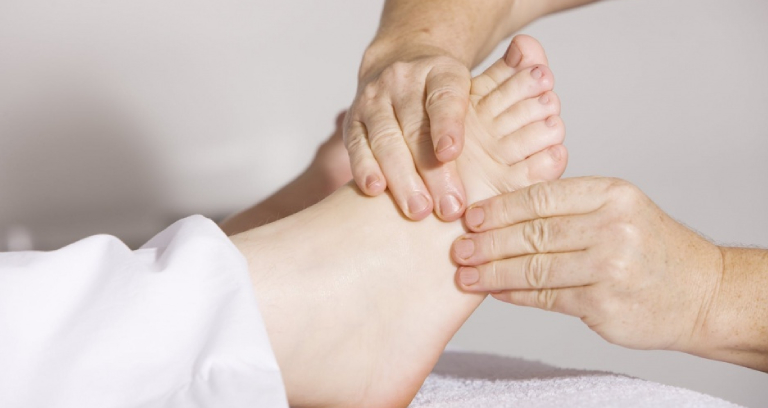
point(359, 302)
point(328, 171)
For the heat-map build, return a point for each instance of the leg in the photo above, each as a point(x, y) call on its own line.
point(328, 171)
point(359, 301)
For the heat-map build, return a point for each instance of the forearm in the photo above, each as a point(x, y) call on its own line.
point(465, 30)
point(736, 327)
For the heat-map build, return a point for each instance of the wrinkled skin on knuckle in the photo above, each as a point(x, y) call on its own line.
point(385, 139)
point(443, 95)
point(539, 199)
point(355, 143)
point(536, 272)
point(536, 235)
point(546, 299)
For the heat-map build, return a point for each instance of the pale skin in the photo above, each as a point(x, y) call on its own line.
point(359, 301)
point(406, 124)
point(599, 249)
point(432, 44)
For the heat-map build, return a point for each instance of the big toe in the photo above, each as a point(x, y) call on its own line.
point(523, 52)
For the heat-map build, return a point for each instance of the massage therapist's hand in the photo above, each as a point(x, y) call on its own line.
point(598, 249)
point(404, 129)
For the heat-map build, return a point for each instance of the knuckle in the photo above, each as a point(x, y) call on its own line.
point(535, 235)
point(355, 143)
point(546, 299)
point(539, 199)
point(400, 69)
point(617, 269)
point(371, 91)
point(623, 192)
point(385, 141)
point(626, 232)
point(442, 95)
point(536, 272)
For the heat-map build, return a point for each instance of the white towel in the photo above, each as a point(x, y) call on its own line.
point(466, 380)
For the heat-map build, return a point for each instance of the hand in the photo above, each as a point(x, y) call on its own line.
point(406, 119)
point(598, 249)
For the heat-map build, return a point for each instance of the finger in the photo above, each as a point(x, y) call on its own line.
point(447, 101)
point(392, 153)
point(537, 271)
point(365, 169)
point(532, 138)
point(568, 301)
point(561, 197)
point(537, 236)
point(442, 179)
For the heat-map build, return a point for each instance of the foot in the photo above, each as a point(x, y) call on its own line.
point(359, 302)
point(328, 171)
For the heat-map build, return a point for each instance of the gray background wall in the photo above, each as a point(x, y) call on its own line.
point(121, 117)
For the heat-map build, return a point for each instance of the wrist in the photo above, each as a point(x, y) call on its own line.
point(732, 330)
point(383, 52)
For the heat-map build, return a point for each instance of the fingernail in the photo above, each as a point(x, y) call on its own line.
point(551, 121)
point(536, 73)
point(544, 99)
point(464, 248)
point(513, 57)
point(555, 153)
point(444, 144)
point(417, 203)
point(474, 216)
point(449, 205)
point(469, 276)
point(371, 181)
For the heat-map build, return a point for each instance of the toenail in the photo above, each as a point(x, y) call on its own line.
point(449, 205)
point(536, 73)
point(513, 57)
point(371, 181)
point(554, 151)
point(551, 122)
point(469, 276)
point(544, 99)
point(464, 248)
point(475, 216)
point(417, 203)
point(444, 144)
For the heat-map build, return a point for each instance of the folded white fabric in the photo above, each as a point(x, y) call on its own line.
point(173, 324)
point(468, 380)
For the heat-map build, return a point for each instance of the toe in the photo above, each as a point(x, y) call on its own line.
point(523, 52)
point(526, 84)
point(526, 112)
point(530, 139)
point(546, 165)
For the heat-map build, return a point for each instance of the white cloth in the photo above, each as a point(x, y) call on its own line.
point(173, 324)
point(469, 380)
